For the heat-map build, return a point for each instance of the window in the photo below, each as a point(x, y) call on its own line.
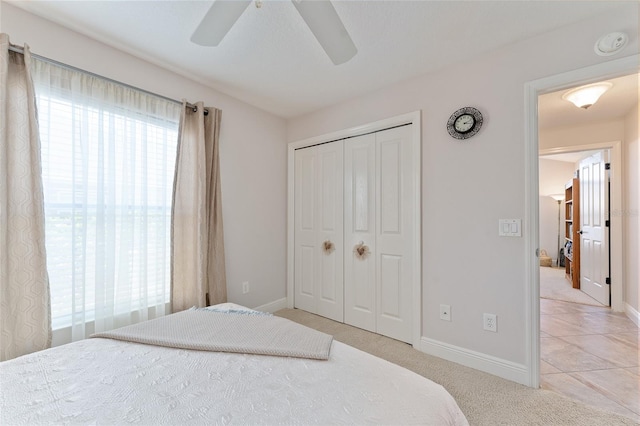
point(108, 158)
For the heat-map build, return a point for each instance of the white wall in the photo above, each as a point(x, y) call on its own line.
point(467, 186)
point(631, 209)
point(252, 151)
point(553, 177)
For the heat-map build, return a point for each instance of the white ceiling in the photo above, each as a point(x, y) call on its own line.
point(271, 60)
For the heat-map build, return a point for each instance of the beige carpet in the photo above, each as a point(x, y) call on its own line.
point(484, 399)
point(554, 285)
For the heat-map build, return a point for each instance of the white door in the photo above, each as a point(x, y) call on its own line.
point(379, 212)
point(395, 234)
point(318, 241)
point(594, 238)
point(360, 230)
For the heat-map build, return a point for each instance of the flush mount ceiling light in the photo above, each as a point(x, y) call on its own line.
point(610, 44)
point(585, 96)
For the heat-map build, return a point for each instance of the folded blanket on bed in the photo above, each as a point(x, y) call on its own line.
point(207, 330)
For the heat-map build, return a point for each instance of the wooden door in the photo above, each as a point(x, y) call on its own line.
point(594, 236)
point(318, 240)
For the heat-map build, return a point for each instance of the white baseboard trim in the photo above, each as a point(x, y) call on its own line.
point(274, 306)
point(632, 314)
point(489, 364)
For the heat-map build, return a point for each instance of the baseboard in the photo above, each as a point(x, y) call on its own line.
point(632, 314)
point(274, 306)
point(489, 364)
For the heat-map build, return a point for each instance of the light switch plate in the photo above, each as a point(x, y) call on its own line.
point(510, 227)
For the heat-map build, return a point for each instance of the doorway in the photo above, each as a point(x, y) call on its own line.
point(582, 355)
point(533, 89)
point(579, 240)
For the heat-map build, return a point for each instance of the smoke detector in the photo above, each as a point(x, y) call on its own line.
point(610, 44)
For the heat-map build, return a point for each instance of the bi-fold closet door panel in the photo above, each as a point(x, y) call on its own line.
point(379, 209)
point(318, 240)
point(360, 229)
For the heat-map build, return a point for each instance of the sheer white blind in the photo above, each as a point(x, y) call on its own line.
point(108, 158)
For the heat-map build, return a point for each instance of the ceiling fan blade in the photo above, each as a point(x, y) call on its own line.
point(218, 21)
point(327, 27)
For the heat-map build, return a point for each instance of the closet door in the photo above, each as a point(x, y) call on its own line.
point(318, 257)
point(360, 229)
point(395, 254)
point(330, 235)
point(379, 209)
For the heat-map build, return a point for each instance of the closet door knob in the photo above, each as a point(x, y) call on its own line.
point(361, 250)
point(328, 247)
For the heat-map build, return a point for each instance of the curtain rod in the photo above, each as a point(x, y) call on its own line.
point(20, 50)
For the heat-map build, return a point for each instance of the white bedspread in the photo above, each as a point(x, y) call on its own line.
point(102, 381)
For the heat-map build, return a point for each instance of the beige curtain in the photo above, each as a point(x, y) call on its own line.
point(198, 275)
point(25, 310)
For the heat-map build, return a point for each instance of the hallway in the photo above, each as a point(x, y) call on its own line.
point(590, 354)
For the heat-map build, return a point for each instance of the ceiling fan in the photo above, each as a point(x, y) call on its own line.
point(320, 16)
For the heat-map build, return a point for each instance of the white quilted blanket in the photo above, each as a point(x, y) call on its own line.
point(207, 330)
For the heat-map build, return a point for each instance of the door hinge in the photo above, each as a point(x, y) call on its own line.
point(607, 166)
point(607, 223)
point(607, 280)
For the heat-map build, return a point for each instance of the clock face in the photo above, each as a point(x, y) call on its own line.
point(464, 123)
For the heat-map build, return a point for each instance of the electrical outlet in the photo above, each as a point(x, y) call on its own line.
point(445, 312)
point(245, 287)
point(490, 322)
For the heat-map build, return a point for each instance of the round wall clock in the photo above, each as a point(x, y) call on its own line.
point(464, 123)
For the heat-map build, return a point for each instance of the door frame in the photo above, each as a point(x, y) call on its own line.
point(413, 118)
point(532, 89)
point(615, 231)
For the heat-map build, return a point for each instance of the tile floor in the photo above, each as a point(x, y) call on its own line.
point(590, 354)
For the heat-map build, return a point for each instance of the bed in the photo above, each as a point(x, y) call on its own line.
point(111, 381)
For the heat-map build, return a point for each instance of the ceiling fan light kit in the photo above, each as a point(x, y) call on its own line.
point(319, 15)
